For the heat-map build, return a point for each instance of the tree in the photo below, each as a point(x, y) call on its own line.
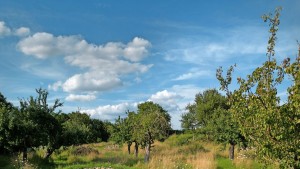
point(122, 132)
point(33, 124)
point(154, 123)
point(189, 120)
point(6, 109)
point(209, 115)
point(274, 129)
point(77, 129)
point(225, 130)
point(99, 132)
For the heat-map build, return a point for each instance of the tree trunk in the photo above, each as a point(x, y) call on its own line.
point(24, 154)
point(48, 153)
point(147, 150)
point(231, 151)
point(136, 149)
point(128, 147)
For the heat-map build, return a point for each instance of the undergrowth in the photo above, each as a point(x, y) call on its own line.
point(177, 152)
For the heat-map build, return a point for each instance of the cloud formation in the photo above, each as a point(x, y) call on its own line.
point(4, 30)
point(105, 64)
point(174, 100)
point(111, 112)
point(23, 31)
point(73, 97)
point(7, 31)
point(193, 74)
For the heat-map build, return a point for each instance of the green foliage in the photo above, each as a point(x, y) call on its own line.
point(151, 122)
point(271, 127)
point(209, 116)
point(200, 114)
point(154, 123)
point(123, 130)
point(36, 124)
point(179, 140)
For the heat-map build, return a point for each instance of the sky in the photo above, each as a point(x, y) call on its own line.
point(105, 57)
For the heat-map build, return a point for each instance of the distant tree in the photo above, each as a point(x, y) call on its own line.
point(188, 119)
point(274, 129)
point(154, 123)
point(77, 129)
point(134, 123)
point(4, 102)
point(126, 131)
point(5, 133)
point(122, 132)
point(99, 132)
point(209, 115)
point(225, 130)
point(6, 109)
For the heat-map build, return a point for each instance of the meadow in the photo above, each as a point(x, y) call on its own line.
point(177, 152)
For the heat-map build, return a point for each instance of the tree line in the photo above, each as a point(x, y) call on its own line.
point(35, 124)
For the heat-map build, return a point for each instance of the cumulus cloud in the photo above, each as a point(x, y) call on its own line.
point(137, 49)
point(174, 100)
point(7, 31)
point(4, 30)
point(104, 64)
point(23, 31)
point(111, 112)
point(166, 99)
point(43, 45)
point(91, 81)
point(73, 97)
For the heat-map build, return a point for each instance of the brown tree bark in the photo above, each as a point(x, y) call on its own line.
point(147, 152)
point(136, 149)
point(128, 147)
point(231, 151)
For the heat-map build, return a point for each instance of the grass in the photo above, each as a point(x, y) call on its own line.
point(177, 152)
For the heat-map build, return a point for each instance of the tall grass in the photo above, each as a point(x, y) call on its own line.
point(177, 152)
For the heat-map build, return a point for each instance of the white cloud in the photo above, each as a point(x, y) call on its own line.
point(188, 92)
point(174, 100)
point(73, 97)
point(43, 45)
point(104, 64)
point(4, 30)
point(22, 31)
point(111, 112)
point(166, 99)
point(55, 86)
point(91, 81)
point(137, 49)
point(193, 74)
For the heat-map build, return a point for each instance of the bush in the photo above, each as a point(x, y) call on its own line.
point(83, 150)
point(179, 140)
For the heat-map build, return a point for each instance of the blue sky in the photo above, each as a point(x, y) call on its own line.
point(105, 57)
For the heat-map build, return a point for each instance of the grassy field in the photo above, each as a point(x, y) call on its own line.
point(177, 152)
